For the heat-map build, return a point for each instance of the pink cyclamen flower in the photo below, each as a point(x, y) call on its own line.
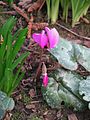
point(49, 36)
point(45, 80)
point(41, 38)
point(53, 36)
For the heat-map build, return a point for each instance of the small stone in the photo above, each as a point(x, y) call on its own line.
point(30, 106)
point(46, 112)
point(19, 97)
point(32, 93)
point(59, 114)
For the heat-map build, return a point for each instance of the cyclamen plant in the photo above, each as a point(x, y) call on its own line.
point(65, 84)
point(47, 38)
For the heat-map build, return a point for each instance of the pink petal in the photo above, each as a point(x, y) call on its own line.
point(37, 37)
point(44, 39)
point(45, 80)
point(47, 29)
point(53, 37)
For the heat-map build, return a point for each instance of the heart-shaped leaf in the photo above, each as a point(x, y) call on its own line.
point(64, 53)
point(63, 88)
point(83, 56)
point(68, 54)
point(84, 89)
point(6, 103)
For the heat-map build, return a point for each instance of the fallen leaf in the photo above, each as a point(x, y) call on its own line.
point(19, 97)
point(30, 106)
point(35, 5)
point(72, 117)
point(32, 93)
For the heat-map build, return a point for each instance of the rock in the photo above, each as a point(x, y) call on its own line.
point(32, 93)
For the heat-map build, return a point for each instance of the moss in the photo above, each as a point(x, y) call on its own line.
point(16, 115)
point(25, 98)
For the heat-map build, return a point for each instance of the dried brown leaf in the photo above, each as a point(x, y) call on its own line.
point(20, 11)
point(30, 106)
point(72, 117)
point(44, 69)
point(37, 26)
point(23, 2)
point(32, 93)
point(36, 5)
point(8, 116)
point(2, 3)
point(85, 20)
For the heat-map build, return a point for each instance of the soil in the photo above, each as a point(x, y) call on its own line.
point(29, 103)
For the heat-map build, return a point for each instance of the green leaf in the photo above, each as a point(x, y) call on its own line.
point(79, 7)
point(19, 60)
point(5, 30)
point(69, 54)
point(63, 87)
point(48, 8)
point(54, 10)
point(10, 1)
point(2, 113)
point(9, 50)
point(65, 6)
point(2, 95)
point(64, 53)
point(83, 56)
point(19, 42)
point(8, 56)
point(84, 90)
point(6, 103)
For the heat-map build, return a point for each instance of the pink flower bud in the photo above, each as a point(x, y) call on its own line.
point(45, 80)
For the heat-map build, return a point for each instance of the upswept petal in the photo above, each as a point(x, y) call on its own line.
point(37, 37)
point(44, 39)
point(47, 29)
point(53, 37)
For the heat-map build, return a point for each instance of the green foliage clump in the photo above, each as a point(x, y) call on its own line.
point(79, 8)
point(65, 85)
point(9, 48)
point(6, 104)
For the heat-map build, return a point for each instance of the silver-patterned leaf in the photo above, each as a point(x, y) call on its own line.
point(64, 53)
point(84, 89)
point(63, 88)
point(83, 56)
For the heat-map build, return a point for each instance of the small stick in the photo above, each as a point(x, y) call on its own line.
point(2, 3)
point(35, 102)
point(9, 12)
point(41, 5)
point(18, 10)
point(80, 36)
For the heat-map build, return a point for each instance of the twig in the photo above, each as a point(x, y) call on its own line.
point(18, 10)
point(9, 12)
point(85, 20)
point(80, 36)
point(2, 3)
point(41, 5)
point(35, 5)
point(33, 102)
